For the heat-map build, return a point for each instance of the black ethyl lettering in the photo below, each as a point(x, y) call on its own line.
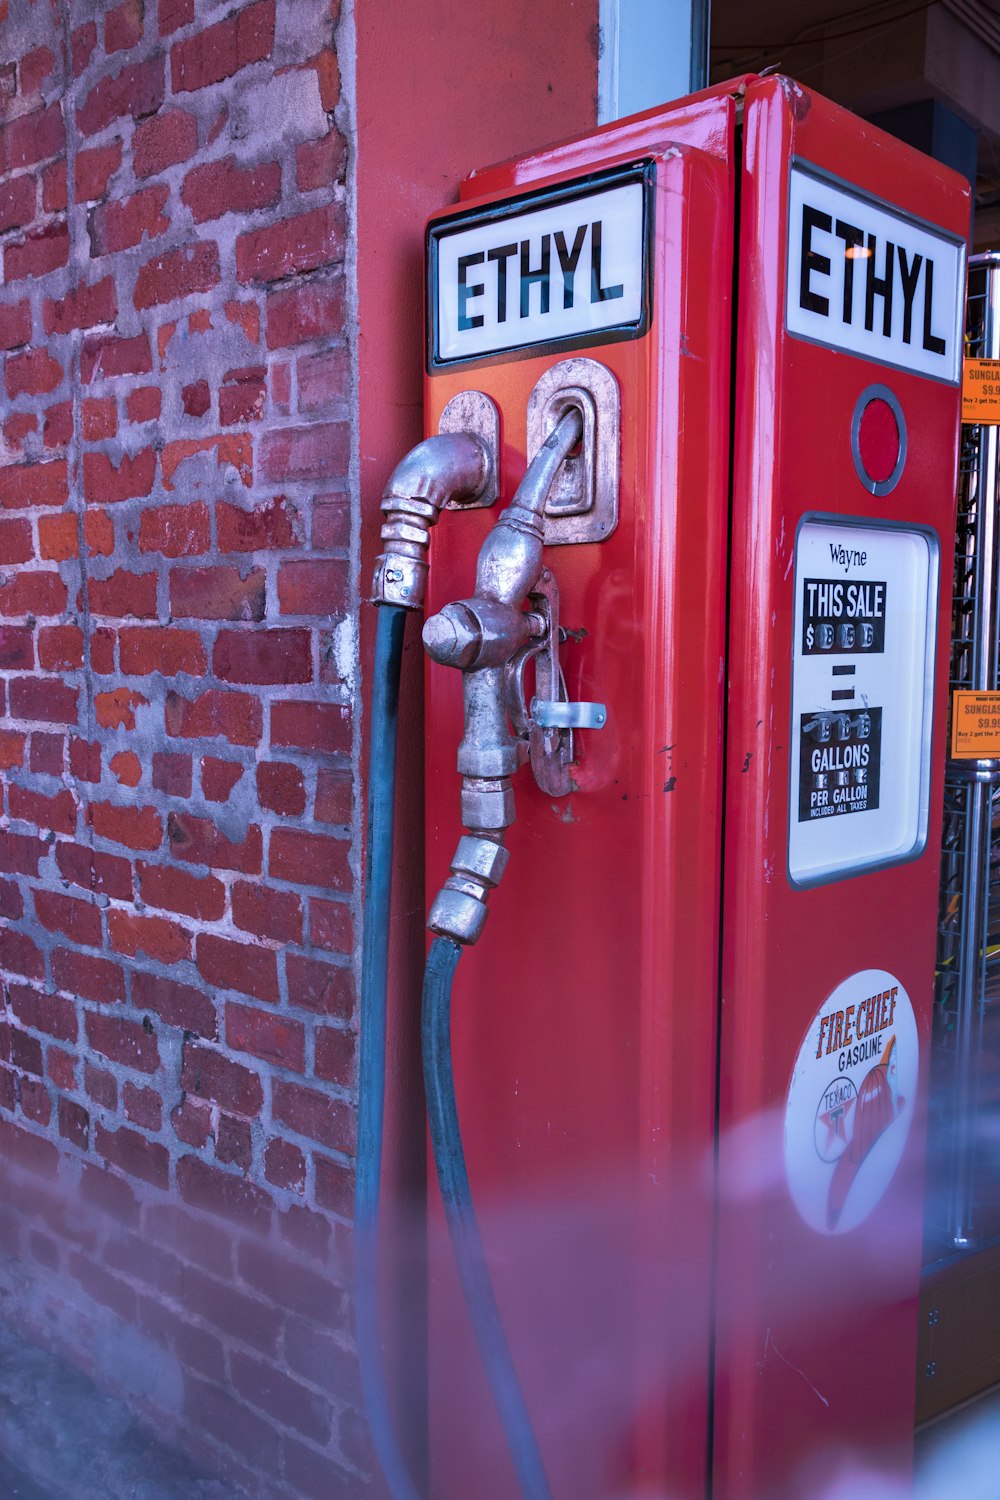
point(932, 343)
point(879, 286)
point(598, 292)
point(853, 239)
point(909, 275)
point(467, 294)
point(813, 264)
point(568, 260)
point(501, 255)
point(540, 275)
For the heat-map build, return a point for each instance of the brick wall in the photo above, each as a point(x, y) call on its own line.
point(177, 654)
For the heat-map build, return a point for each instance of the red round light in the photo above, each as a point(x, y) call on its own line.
point(878, 440)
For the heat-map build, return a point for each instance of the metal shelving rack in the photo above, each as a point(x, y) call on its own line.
point(968, 968)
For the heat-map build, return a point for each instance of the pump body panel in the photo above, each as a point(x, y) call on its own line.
point(586, 1094)
point(792, 684)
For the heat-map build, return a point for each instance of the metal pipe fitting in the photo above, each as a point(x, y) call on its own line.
point(450, 466)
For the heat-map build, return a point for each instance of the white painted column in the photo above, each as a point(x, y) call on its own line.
point(651, 51)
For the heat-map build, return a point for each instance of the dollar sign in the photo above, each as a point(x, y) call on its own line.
point(810, 636)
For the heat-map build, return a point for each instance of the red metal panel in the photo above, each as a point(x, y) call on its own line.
point(585, 1020)
point(817, 1331)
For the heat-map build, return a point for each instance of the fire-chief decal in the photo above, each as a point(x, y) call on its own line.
point(850, 1101)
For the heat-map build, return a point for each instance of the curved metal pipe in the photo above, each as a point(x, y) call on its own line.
point(450, 466)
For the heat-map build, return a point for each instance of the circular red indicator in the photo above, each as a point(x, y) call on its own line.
point(878, 440)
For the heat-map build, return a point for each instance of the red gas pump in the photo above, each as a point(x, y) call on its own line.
point(688, 1050)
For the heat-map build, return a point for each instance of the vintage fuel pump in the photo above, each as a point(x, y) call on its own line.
point(694, 585)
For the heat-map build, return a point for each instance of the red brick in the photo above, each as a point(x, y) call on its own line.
point(58, 428)
point(17, 202)
point(78, 920)
point(33, 373)
point(123, 26)
point(136, 91)
point(47, 753)
point(225, 1195)
point(44, 700)
point(62, 1068)
point(20, 955)
point(267, 913)
point(180, 891)
point(334, 1186)
point(116, 709)
point(103, 1189)
point(122, 223)
point(325, 988)
point(144, 404)
point(234, 1142)
point(74, 1123)
point(106, 1290)
point(233, 448)
point(324, 380)
point(211, 1075)
point(242, 396)
point(196, 398)
point(321, 451)
point(310, 859)
point(188, 270)
point(336, 1056)
point(334, 796)
point(11, 901)
point(198, 841)
point(311, 726)
point(122, 1041)
point(18, 426)
point(34, 68)
point(135, 827)
point(126, 767)
point(32, 138)
point(300, 314)
point(60, 648)
point(85, 760)
point(104, 874)
point(220, 187)
point(218, 777)
point(173, 14)
point(41, 251)
point(175, 530)
point(267, 528)
point(285, 1165)
point(313, 586)
point(23, 1051)
point(15, 542)
point(54, 189)
point(32, 593)
point(17, 643)
point(20, 853)
point(160, 649)
point(23, 486)
point(126, 1149)
point(236, 717)
point(94, 169)
point(265, 1035)
point(15, 324)
point(192, 1122)
point(11, 752)
point(217, 593)
point(222, 50)
point(35, 1101)
point(84, 41)
point(281, 788)
point(157, 937)
point(55, 814)
point(123, 594)
point(281, 1397)
point(320, 163)
point(107, 483)
point(143, 1107)
point(172, 773)
point(246, 315)
point(246, 967)
point(92, 978)
point(100, 418)
point(311, 1113)
point(301, 243)
point(263, 656)
point(176, 1004)
point(108, 355)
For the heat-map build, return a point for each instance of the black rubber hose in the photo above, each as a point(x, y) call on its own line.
point(453, 1177)
point(371, 1043)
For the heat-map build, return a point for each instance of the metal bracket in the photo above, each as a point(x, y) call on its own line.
point(583, 503)
point(475, 412)
point(545, 733)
